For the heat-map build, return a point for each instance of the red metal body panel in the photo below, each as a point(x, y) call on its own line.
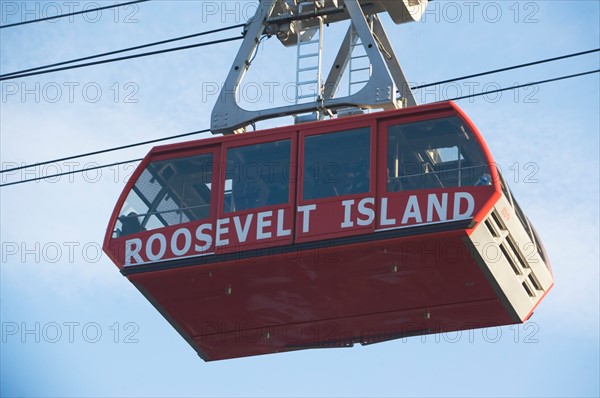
point(367, 268)
point(327, 296)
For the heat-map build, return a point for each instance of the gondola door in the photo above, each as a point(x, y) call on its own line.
point(336, 182)
point(257, 193)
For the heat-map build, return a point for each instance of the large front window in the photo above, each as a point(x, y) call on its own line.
point(439, 153)
point(168, 192)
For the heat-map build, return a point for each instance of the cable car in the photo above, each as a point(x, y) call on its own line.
point(358, 229)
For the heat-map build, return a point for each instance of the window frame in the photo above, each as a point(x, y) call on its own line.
point(325, 213)
point(258, 139)
point(342, 127)
point(383, 142)
point(213, 150)
point(287, 208)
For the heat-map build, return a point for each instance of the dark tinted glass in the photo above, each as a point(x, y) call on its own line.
point(337, 164)
point(257, 176)
point(439, 153)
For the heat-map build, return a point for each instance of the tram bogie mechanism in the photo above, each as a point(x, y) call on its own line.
point(296, 23)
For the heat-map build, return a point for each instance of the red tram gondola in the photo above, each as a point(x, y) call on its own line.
point(359, 229)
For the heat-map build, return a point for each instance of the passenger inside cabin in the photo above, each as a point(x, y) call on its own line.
point(485, 179)
point(130, 224)
point(248, 189)
point(250, 194)
point(362, 176)
point(353, 179)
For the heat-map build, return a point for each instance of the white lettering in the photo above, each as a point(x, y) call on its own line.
point(132, 251)
point(347, 213)
point(242, 232)
point(458, 197)
point(221, 230)
point(203, 237)
point(366, 211)
point(384, 208)
point(186, 245)
point(280, 220)
point(162, 248)
point(262, 223)
point(412, 210)
point(363, 215)
point(440, 208)
point(305, 210)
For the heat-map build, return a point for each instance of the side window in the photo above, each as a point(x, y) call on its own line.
point(168, 192)
point(257, 176)
point(337, 164)
point(439, 153)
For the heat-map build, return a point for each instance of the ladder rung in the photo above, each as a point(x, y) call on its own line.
point(303, 43)
point(308, 69)
point(359, 57)
point(307, 96)
point(359, 69)
point(308, 55)
point(304, 83)
point(362, 81)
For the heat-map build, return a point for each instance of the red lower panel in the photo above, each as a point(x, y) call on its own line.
point(331, 296)
point(343, 332)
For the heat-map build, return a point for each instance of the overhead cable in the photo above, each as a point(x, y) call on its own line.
point(156, 43)
point(507, 68)
point(105, 61)
point(524, 85)
point(137, 160)
point(70, 172)
point(118, 148)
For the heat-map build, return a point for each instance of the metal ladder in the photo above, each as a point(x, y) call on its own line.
point(309, 87)
point(282, 17)
point(356, 69)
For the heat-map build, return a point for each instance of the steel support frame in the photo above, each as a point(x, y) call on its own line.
point(379, 93)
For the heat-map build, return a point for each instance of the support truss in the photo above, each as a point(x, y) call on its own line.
point(291, 23)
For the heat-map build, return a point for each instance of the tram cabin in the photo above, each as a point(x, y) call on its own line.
point(358, 229)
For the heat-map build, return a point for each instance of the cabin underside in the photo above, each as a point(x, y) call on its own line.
point(334, 294)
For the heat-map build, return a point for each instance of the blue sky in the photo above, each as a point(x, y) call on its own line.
point(73, 326)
